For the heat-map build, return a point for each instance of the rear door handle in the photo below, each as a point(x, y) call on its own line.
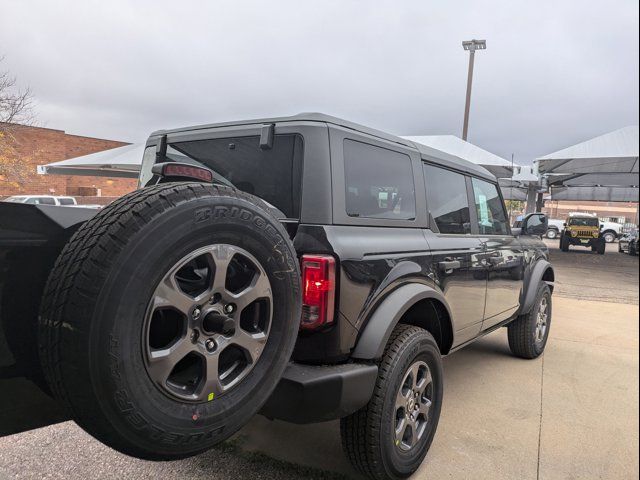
point(449, 265)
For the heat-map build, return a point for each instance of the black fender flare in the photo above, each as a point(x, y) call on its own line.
point(539, 270)
point(386, 316)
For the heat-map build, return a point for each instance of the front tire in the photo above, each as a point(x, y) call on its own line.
point(390, 436)
point(528, 333)
point(564, 244)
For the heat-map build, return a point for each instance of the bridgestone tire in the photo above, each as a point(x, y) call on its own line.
point(91, 319)
point(367, 435)
point(521, 332)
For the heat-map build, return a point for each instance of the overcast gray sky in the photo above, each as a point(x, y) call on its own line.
point(554, 72)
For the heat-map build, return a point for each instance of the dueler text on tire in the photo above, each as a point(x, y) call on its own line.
point(528, 333)
point(390, 436)
point(169, 318)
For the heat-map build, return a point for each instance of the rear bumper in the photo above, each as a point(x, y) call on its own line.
point(311, 394)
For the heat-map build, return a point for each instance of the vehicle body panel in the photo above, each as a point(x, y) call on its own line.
point(479, 282)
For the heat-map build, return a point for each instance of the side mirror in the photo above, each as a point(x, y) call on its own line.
point(535, 224)
point(601, 226)
point(564, 224)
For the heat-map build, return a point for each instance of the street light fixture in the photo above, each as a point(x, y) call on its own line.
point(471, 46)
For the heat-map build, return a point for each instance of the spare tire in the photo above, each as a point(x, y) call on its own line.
point(169, 318)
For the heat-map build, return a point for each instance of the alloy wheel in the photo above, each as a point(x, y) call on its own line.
point(413, 403)
point(541, 320)
point(207, 323)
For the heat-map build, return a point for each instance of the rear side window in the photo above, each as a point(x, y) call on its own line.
point(378, 182)
point(66, 201)
point(447, 200)
point(41, 201)
point(492, 219)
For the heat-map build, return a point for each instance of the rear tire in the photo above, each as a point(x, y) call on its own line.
point(378, 439)
point(528, 333)
point(609, 237)
point(552, 234)
point(633, 249)
point(93, 340)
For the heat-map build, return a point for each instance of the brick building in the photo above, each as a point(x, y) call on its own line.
point(23, 148)
point(623, 212)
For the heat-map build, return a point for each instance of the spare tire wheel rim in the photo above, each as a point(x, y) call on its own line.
point(412, 404)
point(207, 323)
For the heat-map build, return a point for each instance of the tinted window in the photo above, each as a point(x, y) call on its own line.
point(378, 182)
point(66, 201)
point(492, 219)
point(583, 222)
point(272, 174)
point(40, 201)
point(447, 200)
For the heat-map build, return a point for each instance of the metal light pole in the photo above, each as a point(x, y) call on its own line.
point(471, 46)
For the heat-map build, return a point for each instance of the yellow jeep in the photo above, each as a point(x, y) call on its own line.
point(583, 231)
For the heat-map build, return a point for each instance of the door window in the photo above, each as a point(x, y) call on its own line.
point(447, 200)
point(492, 218)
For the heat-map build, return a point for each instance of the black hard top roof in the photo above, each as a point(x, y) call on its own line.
point(426, 152)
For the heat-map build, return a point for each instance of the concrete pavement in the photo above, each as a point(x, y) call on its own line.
point(572, 413)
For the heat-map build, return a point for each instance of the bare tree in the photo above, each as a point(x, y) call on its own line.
point(16, 104)
point(16, 110)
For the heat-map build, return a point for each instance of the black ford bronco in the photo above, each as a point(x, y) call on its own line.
point(305, 268)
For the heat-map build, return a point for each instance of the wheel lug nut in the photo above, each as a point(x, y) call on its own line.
point(210, 345)
point(196, 313)
point(229, 308)
point(194, 336)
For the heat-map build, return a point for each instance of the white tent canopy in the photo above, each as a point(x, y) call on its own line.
point(116, 162)
point(602, 194)
point(457, 147)
point(610, 160)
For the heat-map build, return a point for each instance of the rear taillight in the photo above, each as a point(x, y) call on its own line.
point(318, 290)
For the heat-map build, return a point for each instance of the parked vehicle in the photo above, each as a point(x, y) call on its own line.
point(610, 230)
point(305, 267)
point(629, 243)
point(41, 200)
point(583, 230)
point(554, 227)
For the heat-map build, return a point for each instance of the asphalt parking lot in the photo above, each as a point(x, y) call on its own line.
point(572, 413)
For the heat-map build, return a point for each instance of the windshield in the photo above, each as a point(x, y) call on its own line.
point(14, 199)
point(584, 222)
point(272, 174)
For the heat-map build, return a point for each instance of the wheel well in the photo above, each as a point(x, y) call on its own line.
point(610, 231)
point(433, 316)
point(549, 276)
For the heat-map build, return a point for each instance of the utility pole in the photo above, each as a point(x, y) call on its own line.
point(471, 46)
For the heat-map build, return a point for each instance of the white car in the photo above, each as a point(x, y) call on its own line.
point(42, 200)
